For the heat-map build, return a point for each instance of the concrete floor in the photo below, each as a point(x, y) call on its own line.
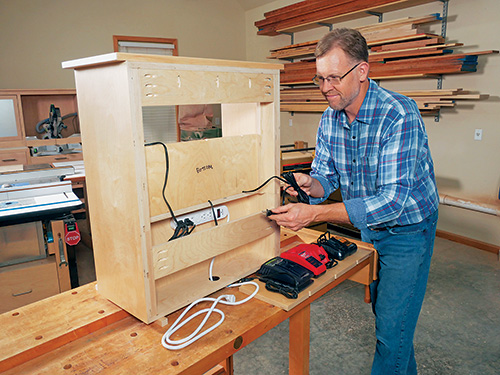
point(458, 331)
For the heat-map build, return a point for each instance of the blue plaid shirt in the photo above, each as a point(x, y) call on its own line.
point(381, 161)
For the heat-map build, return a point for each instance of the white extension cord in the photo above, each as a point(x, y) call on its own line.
point(226, 299)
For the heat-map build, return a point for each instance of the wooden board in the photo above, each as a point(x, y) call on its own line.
point(38, 328)
point(189, 86)
point(179, 254)
point(201, 170)
point(302, 19)
point(128, 346)
point(290, 239)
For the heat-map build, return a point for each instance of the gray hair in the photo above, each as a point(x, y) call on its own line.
point(349, 40)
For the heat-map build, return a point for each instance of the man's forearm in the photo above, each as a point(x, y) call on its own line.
point(316, 190)
point(332, 213)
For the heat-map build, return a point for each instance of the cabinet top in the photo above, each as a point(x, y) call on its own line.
point(119, 57)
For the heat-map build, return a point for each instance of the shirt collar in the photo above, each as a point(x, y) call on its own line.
point(365, 114)
point(366, 110)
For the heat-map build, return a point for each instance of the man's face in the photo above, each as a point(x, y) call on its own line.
point(336, 63)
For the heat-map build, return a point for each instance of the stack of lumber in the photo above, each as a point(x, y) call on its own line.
point(307, 14)
point(377, 34)
point(398, 49)
point(404, 63)
point(310, 99)
point(431, 101)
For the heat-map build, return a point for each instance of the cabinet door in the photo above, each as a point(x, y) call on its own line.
point(10, 122)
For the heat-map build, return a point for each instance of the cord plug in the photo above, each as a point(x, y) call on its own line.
point(229, 298)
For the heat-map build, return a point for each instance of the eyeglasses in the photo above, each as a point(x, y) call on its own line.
point(332, 80)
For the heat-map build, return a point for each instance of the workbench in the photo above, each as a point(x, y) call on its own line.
point(80, 332)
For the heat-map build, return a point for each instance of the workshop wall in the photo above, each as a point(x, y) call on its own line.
point(465, 168)
point(38, 35)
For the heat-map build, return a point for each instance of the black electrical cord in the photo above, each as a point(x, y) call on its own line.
point(183, 227)
point(265, 183)
point(289, 179)
point(213, 212)
point(272, 285)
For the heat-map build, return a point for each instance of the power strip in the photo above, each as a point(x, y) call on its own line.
point(203, 216)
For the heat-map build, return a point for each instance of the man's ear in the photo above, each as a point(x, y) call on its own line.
point(364, 68)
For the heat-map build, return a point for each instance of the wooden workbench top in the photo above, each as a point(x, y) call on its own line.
point(80, 332)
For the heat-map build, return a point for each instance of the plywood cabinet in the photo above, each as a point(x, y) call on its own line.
point(138, 267)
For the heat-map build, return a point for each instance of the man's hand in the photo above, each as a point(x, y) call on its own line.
point(309, 185)
point(294, 215)
point(299, 215)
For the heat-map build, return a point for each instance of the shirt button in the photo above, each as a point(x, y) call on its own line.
point(354, 161)
point(352, 182)
point(353, 137)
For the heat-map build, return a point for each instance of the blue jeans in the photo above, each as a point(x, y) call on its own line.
point(404, 259)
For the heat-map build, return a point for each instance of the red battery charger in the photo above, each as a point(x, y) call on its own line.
point(310, 256)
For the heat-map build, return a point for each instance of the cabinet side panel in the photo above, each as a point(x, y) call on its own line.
point(113, 176)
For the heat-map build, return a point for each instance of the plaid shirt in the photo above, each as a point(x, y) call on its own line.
point(381, 161)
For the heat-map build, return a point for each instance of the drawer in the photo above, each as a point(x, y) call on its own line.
point(56, 158)
point(14, 157)
point(28, 282)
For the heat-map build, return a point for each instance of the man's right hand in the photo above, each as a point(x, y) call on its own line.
point(309, 185)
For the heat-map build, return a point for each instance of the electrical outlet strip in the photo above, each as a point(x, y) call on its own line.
point(203, 216)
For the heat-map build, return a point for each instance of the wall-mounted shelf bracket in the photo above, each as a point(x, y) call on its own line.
point(439, 86)
point(444, 19)
point(292, 36)
point(329, 25)
point(376, 14)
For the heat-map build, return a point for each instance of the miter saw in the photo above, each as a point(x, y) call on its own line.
point(52, 126)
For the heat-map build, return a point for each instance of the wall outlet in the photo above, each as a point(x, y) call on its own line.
point(478, 134)
point(203, 216)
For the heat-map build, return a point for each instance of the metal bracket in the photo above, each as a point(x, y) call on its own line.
point(292, 36)
point(444, 21)
point(329, 25)
point(376, 14)
point(61, 253)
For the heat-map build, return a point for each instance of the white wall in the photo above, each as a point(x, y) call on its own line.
point(37, 35)
point(465, 168)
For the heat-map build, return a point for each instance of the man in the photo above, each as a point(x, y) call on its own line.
point(372, 144)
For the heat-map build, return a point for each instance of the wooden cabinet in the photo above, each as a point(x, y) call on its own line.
point(11, 129)
point(138, 267)
point(27, 282)
point(14, 156)
point(22, 143)
point(27, 272)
